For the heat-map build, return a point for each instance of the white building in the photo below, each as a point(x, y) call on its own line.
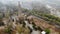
point(43, 32)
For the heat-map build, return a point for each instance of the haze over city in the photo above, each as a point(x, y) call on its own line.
point(29, 16)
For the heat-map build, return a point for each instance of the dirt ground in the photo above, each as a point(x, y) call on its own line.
point(44, 24)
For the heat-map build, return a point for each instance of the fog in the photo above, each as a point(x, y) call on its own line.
point(27, 3)
point(56, 2)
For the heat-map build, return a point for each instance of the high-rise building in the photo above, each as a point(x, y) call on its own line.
point(19, 8)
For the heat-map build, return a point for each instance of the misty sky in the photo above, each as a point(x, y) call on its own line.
point(45, 1)
point(52, 2)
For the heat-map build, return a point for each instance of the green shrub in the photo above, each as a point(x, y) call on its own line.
point(8, 30)
point(47, 31)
